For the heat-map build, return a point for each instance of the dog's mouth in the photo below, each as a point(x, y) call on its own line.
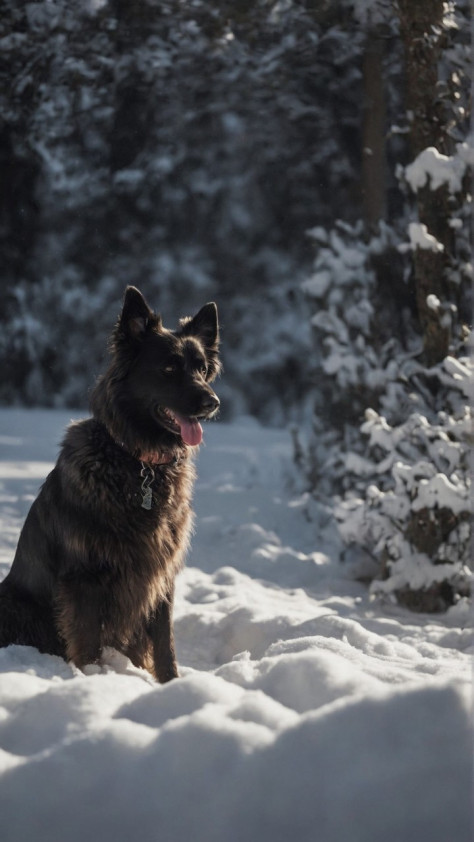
point(189, 429)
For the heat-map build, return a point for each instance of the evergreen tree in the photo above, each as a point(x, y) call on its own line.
point(399, 481)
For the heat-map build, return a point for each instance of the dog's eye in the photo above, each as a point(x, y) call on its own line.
point(203, 370)
point(169, 369)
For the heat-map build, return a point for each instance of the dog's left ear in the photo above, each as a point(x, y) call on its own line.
point(136, 314)
point(205, 326)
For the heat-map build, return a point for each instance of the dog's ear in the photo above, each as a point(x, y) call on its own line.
point(205, 326)
point(136, 315)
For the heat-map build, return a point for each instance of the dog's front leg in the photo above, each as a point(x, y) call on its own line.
point(78, 622)
point(160, 629)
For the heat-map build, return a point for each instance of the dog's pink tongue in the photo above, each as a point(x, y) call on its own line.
point(191, 431)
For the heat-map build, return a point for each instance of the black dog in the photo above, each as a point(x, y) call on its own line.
point(98, 554)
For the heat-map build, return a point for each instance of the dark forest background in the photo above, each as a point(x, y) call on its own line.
point(185, 147)
point(258, 153)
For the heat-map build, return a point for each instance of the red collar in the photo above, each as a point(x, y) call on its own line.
point(158, 458)
point(152, 458)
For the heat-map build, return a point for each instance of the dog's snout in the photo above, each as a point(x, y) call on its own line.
point(210, 403)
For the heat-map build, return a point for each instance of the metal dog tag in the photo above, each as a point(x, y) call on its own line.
point(147, 498)
point(148, 475)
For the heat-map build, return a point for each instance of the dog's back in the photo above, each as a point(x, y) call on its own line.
point(101, 546)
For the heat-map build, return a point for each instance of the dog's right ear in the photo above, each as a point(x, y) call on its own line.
point(136, 315)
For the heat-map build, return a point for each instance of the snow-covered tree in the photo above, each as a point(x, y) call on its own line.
point(398, 350)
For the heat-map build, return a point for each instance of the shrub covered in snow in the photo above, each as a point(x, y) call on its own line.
point(400, 479)
point(357, 343)
point(413, 515)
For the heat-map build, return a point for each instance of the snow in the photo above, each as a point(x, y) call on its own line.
point(305, 710)
point(421, 238)
point(439, 491)
point(430, 165)
point(433, 302)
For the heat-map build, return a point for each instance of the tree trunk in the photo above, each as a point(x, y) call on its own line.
point(373, 132)
point(421, 27)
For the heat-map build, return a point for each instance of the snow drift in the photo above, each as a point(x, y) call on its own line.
point(304, 710)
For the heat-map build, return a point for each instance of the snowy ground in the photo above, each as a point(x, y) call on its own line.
point(304, 711)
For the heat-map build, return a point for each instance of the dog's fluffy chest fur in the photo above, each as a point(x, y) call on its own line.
point(101, 488)
point(92, 461)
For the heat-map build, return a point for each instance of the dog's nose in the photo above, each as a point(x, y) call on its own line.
point(210, 403)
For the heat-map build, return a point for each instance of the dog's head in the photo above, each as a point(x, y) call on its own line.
point(158, 385)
